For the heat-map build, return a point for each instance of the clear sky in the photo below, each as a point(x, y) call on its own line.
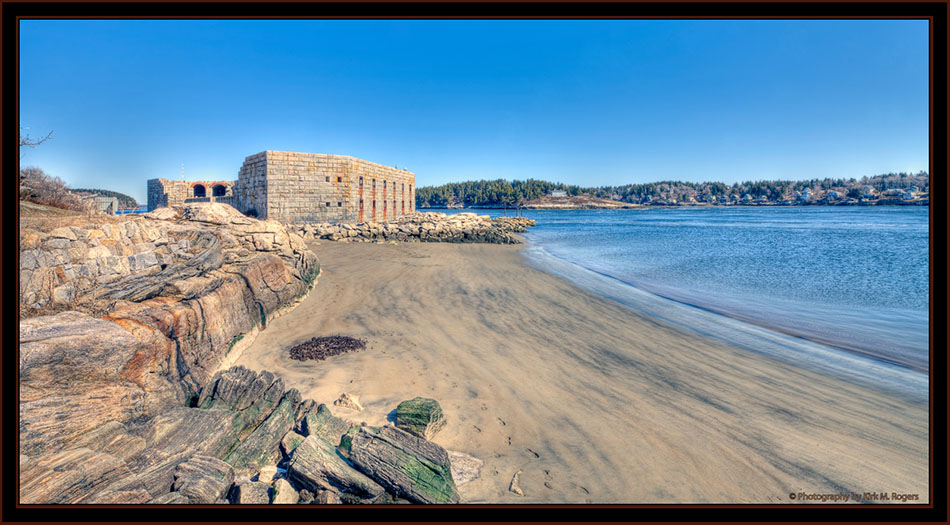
point(581, 102)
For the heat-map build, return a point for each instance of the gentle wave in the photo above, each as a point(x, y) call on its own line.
point(859, 369)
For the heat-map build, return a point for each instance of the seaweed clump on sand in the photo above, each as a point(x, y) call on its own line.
point(324, 347)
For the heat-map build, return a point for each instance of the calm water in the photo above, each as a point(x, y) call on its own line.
point(854, 278)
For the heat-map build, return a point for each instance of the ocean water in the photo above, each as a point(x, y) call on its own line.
point(853, 281)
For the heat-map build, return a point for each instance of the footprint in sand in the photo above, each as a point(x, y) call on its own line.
point(502, 421)
point(476, 428)
point(535, 455)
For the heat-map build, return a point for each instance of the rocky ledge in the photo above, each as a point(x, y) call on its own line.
point(424, 227)
point(126, 397)
point(245, 439)
point(141, 337)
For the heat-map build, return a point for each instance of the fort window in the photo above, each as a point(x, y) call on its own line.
point(218, 190)
point(328, 178)
point(339, 179)
point(199, 190)
point(361, 181)
point(339, 204)
point(328, 205)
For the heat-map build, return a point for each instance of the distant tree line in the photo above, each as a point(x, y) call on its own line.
point(125, 202)
point(503, 192)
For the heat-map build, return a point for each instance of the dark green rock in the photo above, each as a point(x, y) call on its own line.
point(250, 395)
point(261, 447)
point(318, 466)
point(420, 416)
point(405, 465)
point(347, 440)
point(323, 423)
point(290, 442)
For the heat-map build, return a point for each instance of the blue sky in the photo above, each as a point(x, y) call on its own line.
point(580, 102)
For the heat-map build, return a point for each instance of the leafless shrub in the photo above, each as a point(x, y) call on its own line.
point(39, 187)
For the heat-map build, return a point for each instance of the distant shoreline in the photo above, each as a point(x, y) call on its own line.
point(631, 206)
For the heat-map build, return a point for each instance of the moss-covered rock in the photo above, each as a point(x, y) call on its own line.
point(261, 447)
point(420, 416)
point(404, 464)
point(347, 440)
point(290, 442)
point(323, 423)
point(317, 466)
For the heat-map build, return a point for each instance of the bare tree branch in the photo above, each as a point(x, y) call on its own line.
point(25, 140)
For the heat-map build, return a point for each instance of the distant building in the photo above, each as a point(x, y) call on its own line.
point(747, 198)
point(832, 195)
point(868, 192)
point(101, 203)
point(304, 187)
point(806, 195)
point(559, 193)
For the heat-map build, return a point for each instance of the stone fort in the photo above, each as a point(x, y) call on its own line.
point(300, 187)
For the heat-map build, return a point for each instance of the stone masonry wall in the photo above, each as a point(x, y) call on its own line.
point(309, 187)
point(165, 192)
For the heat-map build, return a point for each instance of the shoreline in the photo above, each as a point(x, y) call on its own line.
point(877, 354)
point(633, 206)
point(593, 401)
point(795, 348)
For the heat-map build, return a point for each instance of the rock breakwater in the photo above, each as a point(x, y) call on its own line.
point(425, 227)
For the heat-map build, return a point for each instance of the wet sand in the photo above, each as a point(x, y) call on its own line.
point(590, 400)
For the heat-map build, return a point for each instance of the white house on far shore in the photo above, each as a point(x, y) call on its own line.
point(559, 193)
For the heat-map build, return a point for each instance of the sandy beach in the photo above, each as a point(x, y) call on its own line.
point(591, 401)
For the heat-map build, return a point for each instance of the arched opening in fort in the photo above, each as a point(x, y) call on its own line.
point(218, 190)
point(199, 190)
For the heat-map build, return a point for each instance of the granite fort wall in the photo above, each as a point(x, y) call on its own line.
point(165, 192)
point(310, 187)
